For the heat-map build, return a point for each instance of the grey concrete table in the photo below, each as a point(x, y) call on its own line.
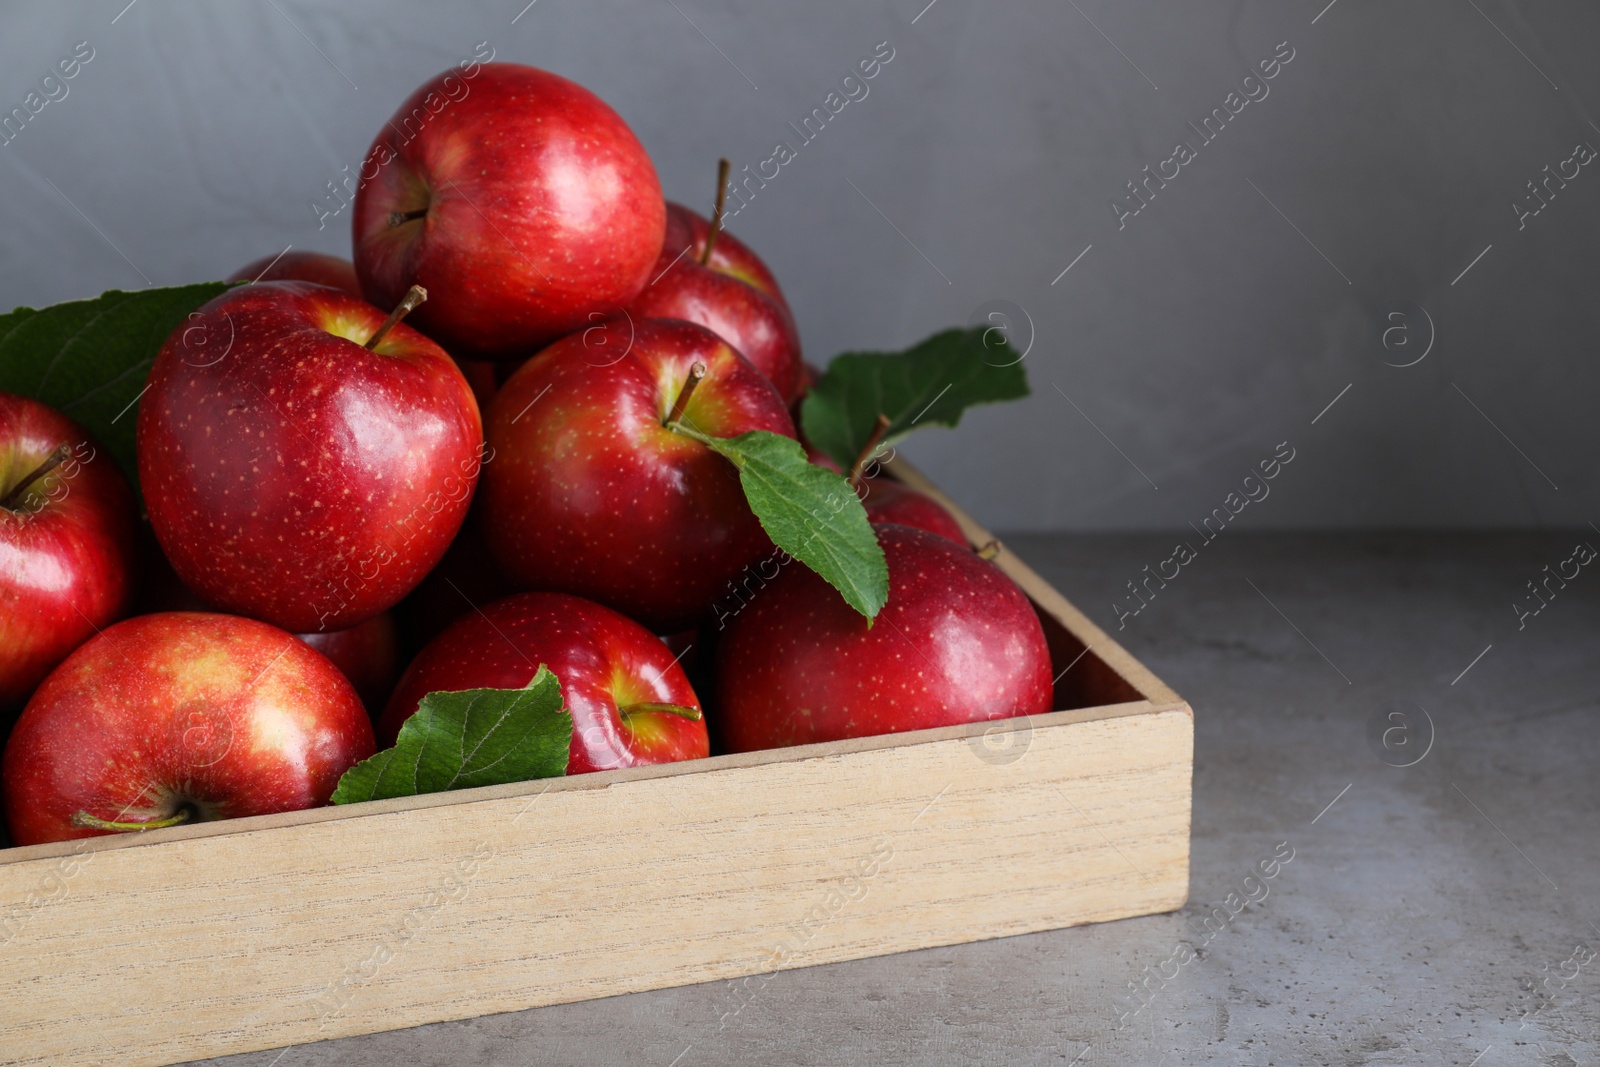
point(1442, 912)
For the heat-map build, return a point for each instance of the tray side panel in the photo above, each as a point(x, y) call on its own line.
point(254, 940)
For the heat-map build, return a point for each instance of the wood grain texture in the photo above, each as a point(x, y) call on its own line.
point(232, 937)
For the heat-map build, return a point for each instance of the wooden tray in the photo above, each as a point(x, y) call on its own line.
point(236, 936)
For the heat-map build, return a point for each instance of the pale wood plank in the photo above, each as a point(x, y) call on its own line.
point(591, 892)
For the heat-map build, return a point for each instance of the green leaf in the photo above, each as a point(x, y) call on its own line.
point(809, 512)
point(90, 358)
point(467, 739)
point(931, 383)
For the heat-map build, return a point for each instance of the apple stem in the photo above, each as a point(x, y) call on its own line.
point(83, 820)
point(696, 373)
point(723, 167)
point(400, 218)
point(682, 711)
point(989, 549)
point(408, 303)
point(864, 457)
point(15, 497)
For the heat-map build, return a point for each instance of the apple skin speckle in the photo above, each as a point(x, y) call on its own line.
point(368, 459)
point(225, 715)
point(542, 209)
point(957, 642)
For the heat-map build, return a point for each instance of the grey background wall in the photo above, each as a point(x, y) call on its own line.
point(1178, 351)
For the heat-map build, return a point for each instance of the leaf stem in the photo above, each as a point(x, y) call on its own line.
point(83, 820)
point(57, 457)
point(697, 372)
point(408, 303)
point(874, 439)
point(723, 166)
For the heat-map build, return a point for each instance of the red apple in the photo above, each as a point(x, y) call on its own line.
point(179, 717)
point(292, 266)
point(590, 493)
point(293, 475)
point(956, 643)
point(630, 702)
point(66, 543)
point(368, 654)
point(732, 293)
point(518, 199)
point(890, 502)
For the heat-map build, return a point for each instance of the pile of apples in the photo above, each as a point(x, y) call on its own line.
point(503, 480)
